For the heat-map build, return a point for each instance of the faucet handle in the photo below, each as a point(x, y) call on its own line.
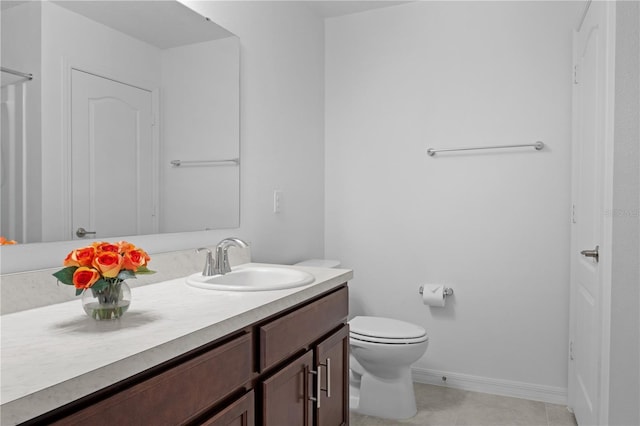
point(222, 253)
point(209, 265)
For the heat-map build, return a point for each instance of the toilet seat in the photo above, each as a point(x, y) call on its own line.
point(381, 340)
point(386, 331)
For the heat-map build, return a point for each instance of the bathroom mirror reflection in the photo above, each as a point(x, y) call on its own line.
point(129, 126)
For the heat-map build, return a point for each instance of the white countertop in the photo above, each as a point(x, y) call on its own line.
point(56, 354)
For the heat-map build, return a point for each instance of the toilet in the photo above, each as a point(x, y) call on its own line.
point(382, 351)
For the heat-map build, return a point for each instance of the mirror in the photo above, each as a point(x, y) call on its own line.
point(128, 126)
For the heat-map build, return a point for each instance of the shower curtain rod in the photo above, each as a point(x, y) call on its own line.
point(18, 73)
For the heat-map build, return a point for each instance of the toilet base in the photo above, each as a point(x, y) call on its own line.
point(354, 398)
point(389, 399)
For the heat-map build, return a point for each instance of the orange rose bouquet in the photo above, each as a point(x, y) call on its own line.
point(102, 265)
point(5, 242)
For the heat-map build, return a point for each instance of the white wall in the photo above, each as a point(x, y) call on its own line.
point(493, 225)
point(282, 91)
point(624, 386)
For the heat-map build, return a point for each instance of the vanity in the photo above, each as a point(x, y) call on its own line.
point(184, 355)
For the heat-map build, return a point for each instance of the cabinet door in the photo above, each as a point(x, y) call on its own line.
point(286, 395)
point(332, 365)
point(239, 413)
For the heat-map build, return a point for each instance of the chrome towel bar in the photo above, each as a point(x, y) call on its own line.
point(538, 146)
point(18, 73)
point(229, 162)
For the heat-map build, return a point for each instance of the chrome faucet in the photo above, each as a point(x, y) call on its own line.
point(209, 264)
point(222, 256)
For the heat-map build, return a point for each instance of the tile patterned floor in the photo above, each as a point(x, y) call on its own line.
point(443, 406)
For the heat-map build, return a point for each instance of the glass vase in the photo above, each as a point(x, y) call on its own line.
point(109, 303)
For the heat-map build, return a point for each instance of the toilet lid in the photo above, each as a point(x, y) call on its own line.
point(386, 330)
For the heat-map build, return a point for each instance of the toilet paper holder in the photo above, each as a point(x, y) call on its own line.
point(447, 291)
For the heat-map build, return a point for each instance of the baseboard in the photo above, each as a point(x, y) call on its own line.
point(550, 394)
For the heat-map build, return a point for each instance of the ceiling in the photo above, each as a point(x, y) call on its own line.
point(6, 4)
point(141, 19)
point(126, 16)
point(325, 9)
point(333, 8)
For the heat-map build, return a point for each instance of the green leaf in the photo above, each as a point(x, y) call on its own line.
point(101, 284)
point(79, 291)
point(65, 275)
point(125, 274)
point(144, 270)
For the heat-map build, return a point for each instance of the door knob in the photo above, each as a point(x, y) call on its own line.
point(591, 253)
point(81, 232)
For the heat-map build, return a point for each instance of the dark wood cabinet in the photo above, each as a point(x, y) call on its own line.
point(177, 395)
point(284, 336)
point(238, 413)
point(290, 369)
point(313, 388)
point(286, 396)
point(332, 365)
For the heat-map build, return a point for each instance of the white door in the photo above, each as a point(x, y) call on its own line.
point(588, 242)
point(111, 158)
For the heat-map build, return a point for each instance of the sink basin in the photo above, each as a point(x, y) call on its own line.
point(252, 278)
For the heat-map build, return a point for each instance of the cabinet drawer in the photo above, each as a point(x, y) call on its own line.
point(239, 413)
point(176, 395)
point(286, 335)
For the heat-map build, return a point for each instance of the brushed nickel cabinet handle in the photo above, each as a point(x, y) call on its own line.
point(317, 397)
point(328, 369)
